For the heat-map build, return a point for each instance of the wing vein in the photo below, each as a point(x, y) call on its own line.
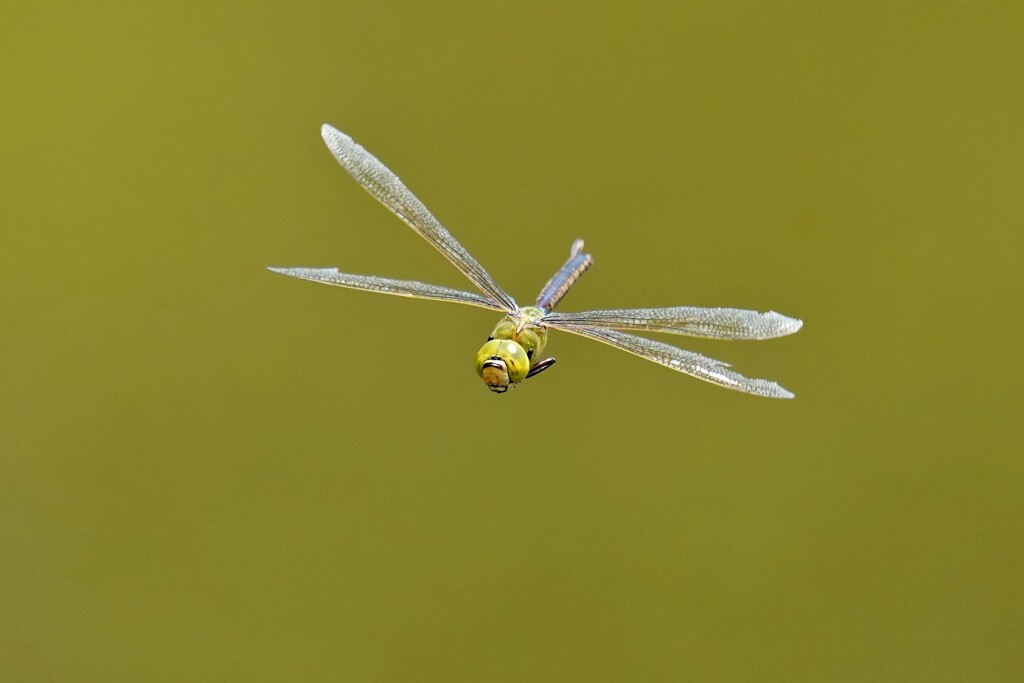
point(680, 360)
point(708, 323)
point(383, 184)
point(386, 285)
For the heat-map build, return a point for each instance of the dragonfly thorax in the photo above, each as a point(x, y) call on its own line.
point(513, 345)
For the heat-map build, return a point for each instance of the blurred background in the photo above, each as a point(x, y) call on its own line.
point(210, 472)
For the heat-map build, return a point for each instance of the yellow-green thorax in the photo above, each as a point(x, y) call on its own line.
point(515, 344)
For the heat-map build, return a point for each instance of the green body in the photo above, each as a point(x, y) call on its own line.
point(513, 347)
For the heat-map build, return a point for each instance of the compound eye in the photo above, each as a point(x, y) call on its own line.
point(501, 362)
point(516, 359)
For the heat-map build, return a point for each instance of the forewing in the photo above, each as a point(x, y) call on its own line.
point(379, 181)
point(688, 362)
point(709, 323)
point(384, 285)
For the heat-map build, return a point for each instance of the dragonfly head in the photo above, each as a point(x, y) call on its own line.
point(501, 363)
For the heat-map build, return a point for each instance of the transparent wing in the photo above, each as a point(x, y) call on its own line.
point(709, 323)
point(688, 362)
point(384, 285)
point(375, 177)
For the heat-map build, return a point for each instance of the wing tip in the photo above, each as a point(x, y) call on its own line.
point(781, 325)
point(794, 323)
point(336, 141)
point(764, 388)
point(785, 393)
point(327, 130)
point(768, 389)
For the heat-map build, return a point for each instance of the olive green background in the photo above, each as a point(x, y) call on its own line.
point(210, 472)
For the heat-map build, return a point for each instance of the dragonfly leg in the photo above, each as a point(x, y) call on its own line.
point(540, 367)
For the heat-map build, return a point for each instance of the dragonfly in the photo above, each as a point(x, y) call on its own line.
point(513, 350)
